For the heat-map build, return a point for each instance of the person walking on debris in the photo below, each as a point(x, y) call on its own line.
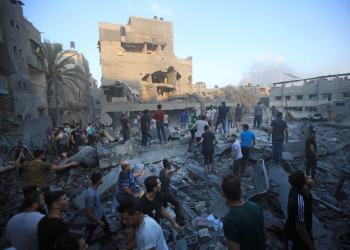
point(145, 127)
point(149, 235)
point(247, 138)
point(192, 120)
point(236, 155)
point(22, 229)
point(52, 227)
point(212, 118)
point(94, 212)
point(263, 110)
point(311, 154)
point(238, 117)
point(63, 143)
point(126, 189)
point(199, 125)
point(258, 110)
point(229, 121)
point(244, 225)
point(330, 109)
point(138, 119)
point(222, 113)
point(274, 112)
point(165, 194)
point(207, 141)
point(36, 171)
point(279, 130)
point(126, 129)
point(159, 117)
point(166, 120)
point(75, 139)
point(18, 149)
point(183, 119)
point(298, 227)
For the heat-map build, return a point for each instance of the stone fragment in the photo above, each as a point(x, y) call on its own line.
point(331, 200)
point(202, 222)
point(199, 207)
point(181, 244)
point(204, 235)
point(205, 246)
point(87, 157)
point(189, 230)
point(210, 225)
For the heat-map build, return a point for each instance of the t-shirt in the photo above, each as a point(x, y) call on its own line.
point(68, 130)
point(150, 235)
point(22, 230)
point(49, 231)
point(18, 151)
point(310, 141)
point(144, 120)
point(258, 110)
point(208, 140)
point(183, 117)
point(166, 119)
point(238, 112)
point(274, 113)
point(223, 110)
point(92, 200)
point(212, 114)
point(244, 225)
point(330, 105)
point(36, 173)
point(151, 208)
point(124, 121)
point(299, 210)
point(191, 121)
point(125, 179)
point(279, 126)
point(247, 137)
point(237, 145)
point(200, 127)
point(159, 115)
point(92, 130)
point(75, 136)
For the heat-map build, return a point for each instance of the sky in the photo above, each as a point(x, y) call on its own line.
point(231, 42)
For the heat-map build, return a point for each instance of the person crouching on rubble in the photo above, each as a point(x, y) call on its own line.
point(207, 141)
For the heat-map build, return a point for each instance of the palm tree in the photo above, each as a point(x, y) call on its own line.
point(59, 74)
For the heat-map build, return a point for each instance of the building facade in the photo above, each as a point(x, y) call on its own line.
point(24, 109)
point(304, 100)
point(259, 91)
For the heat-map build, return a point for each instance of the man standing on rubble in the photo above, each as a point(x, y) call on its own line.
point(126, 129)
point(126, 189)
point(94, 212)
point(18, 149)
point(247, 138)
point(238, 117)
point(166, 196)
point(183, 119)
point(199, 125)
point(145, 128)
point(37, 170)
point(192, 120)
point(236, 154)
point(330, 109)
point(63, 143)
point(222, 113)
point(258, 110)
point(299, 222)
point(279, 130)
point(244, 225)
point(159, 117)
point(311, 154)
point(212, 118)
point(274, 112)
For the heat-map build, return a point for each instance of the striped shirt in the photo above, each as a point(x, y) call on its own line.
point(125, 179)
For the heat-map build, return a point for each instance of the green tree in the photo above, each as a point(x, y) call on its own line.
point(59, 74)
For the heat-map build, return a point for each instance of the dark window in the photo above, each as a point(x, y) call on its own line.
point(278, 98)
point(326, 95)
point(312, 96)
point(24, 86)
point(19, 85)
point(311, 109)
point(299, 97)
point(14, 49)
point(12, 23)
point(287, 97)
point(346, 94)
point(340, 104)
point(17, 26)
point(20, 52)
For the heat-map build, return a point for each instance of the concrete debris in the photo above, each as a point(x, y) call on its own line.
point(87, 157)
point(261, 180)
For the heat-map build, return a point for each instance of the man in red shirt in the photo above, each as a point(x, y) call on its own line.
point(159, 117)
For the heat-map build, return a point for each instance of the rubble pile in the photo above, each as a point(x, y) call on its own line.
point(202, 205)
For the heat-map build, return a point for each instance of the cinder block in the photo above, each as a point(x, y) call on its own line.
point(210, 225)
point(204, 235)
point(181, 245)
point(191, 240)
point(191, 205)
point(199, 207)
point(186, 212)
point(189, 230)
point(202, 222)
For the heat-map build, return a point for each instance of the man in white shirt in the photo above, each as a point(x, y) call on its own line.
point(212, 118)
point(236, 154)
point(22, 229)
point(200, 130)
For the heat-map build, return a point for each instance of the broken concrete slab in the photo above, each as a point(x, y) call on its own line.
point(199, 173)
point(220, 148)
point(109, 181)
point(204, 235)
point(125, 149)
point(261, 180)
point(87, 157)
point(295, 147)
point(110, 135)
point(287, 156)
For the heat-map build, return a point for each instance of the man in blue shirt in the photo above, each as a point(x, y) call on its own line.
point(258, 110)
point(183, 118)
point(247, 138)
point(279, 131)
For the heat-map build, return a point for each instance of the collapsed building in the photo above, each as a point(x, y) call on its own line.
point(308, 99)
point(140, 69)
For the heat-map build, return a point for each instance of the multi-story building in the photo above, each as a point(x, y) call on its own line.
point(259, 91)
point(304, 100)
point(24, 109)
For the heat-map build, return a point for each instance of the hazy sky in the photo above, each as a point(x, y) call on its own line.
point(230, 41)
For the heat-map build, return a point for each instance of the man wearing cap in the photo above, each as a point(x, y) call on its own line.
point(125, 127)
point(222, 112)
point(18, 149)
point(192, 120)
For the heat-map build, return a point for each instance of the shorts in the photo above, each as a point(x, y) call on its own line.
point(63, 148)
point(238, 119)
point(245, 153)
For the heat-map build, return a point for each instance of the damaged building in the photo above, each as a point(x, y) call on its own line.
point(23, 109)
point(311, 97)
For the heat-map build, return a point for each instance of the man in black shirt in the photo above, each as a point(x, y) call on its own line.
point(279, 131)
point(151, 202)
point(145, 127)
point(238, 117)
point(299, 222)
point(166, 195)
point(222, 112)
point(311, 154)
point(52, 227)
point(207, 141)
point(125, 127)
point(75, 139)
